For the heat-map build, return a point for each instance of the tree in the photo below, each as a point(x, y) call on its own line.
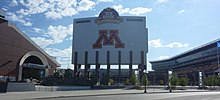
point(145, 80)
point(104, 79)
point(174, 80)
point(211, 80)
point(133, 78)
point(183, 81)
point(68, 73)
point(161, 82)
point(127, 82)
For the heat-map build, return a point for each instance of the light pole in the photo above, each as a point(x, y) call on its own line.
point(145, 81)
point(170, 76)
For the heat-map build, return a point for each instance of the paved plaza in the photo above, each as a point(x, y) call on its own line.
point(112, 94)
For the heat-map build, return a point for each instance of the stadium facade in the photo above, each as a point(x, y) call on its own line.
point(20, 57)
point(109, 39)
point(203, 59)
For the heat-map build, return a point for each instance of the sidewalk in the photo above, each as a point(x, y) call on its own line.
point(80, 93)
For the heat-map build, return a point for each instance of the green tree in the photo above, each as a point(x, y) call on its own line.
point(127, 82)
point(183, 81)
point(161, 82)
point(68, 73)
point(104, 80)
point(211, 80)
point(145, 80)
point(133, 79)
point(174, 80)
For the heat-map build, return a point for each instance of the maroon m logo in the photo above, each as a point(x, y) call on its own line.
point(108, 37)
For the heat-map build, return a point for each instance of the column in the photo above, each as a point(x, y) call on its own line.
point(97, 66)
point(119, 67)
point(108, 66)
point(131, 62)
point(86, 65)
point(142, 65)
point(75, 64)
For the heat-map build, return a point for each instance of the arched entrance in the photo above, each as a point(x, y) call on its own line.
point(33, 65)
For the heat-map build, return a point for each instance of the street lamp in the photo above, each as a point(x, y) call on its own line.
point(170, 76)
point(145, 81)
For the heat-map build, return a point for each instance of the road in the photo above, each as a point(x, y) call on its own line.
point(151, 96)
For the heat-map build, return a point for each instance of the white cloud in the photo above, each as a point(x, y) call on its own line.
point(163, 57)
point(38, 30)
point(33, 7)
point(62, 56)
point(59, 33)
point(120, 9)
point(155, 43)
point(53, 15)
point(162, 1)
point(177, 45)
point(14, 17)
point(61, 8)
point(70, 38)
point(133, 11)
point(140, 10)
point(53, 35)
point(13, 3)
point(4, 9)
point(42, 42)
point(85, 5)
point(65, 53)
point(55, 9)
point(181, 11)
point(28, 24)
point(105, 0)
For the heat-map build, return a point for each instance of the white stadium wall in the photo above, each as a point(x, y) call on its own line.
point(130, 34)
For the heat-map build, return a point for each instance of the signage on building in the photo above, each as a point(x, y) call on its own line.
point(108, 37)
point(108, 15)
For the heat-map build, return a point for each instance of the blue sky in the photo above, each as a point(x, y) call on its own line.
point(175, 26)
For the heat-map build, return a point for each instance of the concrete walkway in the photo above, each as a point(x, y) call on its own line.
point(80, 93)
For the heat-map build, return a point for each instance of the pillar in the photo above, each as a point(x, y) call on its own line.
point(108, 66)
point(131, 62)
point(86, 65)
point(75, 64)
point(97, 66)
point(119, 67)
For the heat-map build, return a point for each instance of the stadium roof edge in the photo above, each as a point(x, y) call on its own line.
point(191, 50)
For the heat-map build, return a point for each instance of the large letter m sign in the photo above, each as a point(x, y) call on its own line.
point(108, 37)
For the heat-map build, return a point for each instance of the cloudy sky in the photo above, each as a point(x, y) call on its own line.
point(175, 26)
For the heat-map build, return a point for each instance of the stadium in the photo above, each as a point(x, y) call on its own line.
point(193, 64)
point(109, 39)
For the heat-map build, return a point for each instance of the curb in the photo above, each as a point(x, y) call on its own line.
point(87, 95)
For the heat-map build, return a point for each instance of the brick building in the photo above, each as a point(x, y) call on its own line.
point(20, 57)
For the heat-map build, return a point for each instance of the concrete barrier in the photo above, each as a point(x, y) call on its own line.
point(61, 88)
point(15, 87)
